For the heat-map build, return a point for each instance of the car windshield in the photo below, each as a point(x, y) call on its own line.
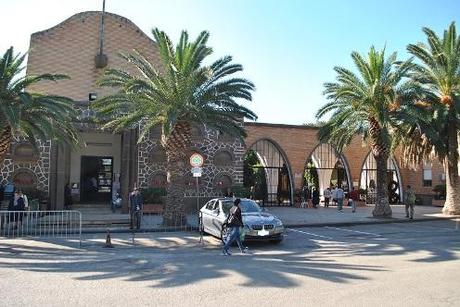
point(247, 206)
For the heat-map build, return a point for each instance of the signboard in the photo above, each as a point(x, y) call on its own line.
point(24, 178)
point(197, 171)
point(196, 160)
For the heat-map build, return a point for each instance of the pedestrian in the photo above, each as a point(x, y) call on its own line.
point(339, 194)
point(68, 197)
point(304, 196)
point(334, 195)
point(17, 205)
point(315, 198)
point(353, 198)
point(25, 199)
point(409, 202)
point(136, 203)
point(327, 197)
point(234, 222)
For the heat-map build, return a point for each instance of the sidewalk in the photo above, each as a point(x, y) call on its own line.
point(292, 217)
point(308, 217)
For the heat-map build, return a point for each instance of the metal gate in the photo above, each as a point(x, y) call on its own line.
point(40, 224)
point(273, 184)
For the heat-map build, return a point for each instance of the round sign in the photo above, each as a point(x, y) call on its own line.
point(196, 160)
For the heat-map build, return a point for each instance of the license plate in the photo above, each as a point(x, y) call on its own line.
point(263, 232)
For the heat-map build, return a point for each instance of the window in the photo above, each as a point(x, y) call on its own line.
point(427, 175)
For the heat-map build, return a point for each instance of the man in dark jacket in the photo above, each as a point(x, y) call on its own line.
point(136, 202)
point(235, 221)
point(16, 204)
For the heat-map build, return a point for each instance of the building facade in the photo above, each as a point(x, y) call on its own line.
point(106, 159)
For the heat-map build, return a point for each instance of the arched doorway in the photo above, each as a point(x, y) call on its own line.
point(267, 174)
point(368, 180)
point(326, 167)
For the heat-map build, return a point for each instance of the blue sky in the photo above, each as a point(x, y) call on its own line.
point(288, 48)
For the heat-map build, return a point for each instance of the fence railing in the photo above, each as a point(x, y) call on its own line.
point(40, 224)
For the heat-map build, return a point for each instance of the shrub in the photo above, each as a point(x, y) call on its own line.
point(153, 195)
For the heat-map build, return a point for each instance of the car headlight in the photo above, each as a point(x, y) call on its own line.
point(278, 223)
point(246, 227)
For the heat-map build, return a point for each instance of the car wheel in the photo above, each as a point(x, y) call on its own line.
point(224, 233)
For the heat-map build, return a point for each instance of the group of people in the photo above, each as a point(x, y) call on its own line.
point(333, 195)
point(18, 204)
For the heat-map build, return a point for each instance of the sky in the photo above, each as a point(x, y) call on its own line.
point(287, 48)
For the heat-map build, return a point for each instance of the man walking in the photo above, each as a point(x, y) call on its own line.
point(339, 196)
point(235, 221)
point(409, 202)
point(353, 198)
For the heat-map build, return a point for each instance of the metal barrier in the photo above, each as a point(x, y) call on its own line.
point(40, 224)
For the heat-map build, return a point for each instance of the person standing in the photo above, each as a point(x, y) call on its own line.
point(136, 202)
point(25, 199)
point(315, 198)
point(234, 221)
point(410, 202)
point(353, 198)
point(334, 195)
point(16, 204)
point(339, 194)
point(327, 197)
point(67, 197)
point(304, 196)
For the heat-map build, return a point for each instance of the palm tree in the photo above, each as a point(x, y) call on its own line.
point(438, 76)
point(34, 116)
point(368, 104)
point(181, 92)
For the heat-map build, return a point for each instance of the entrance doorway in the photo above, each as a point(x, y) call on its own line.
point(96, 179)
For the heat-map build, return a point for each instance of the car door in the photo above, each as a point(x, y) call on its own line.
point(206, 214)
point(216, 218)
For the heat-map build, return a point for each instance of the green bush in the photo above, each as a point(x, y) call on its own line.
point(153, 195)
point(241, 191)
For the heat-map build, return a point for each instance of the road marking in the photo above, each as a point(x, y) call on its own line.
point(361, 232)
point(310, 234)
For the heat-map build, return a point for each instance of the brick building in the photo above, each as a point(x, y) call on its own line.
point(284, 151)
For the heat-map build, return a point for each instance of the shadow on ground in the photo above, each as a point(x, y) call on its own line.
point(269, 266)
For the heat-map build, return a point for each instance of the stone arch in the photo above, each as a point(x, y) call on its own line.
point(327, 166)
point(223, 158)
point(276, 170)
point(368, 179)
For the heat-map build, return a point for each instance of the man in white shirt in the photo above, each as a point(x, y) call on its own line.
point(327, 196)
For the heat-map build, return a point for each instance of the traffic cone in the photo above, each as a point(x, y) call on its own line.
point(108, 240)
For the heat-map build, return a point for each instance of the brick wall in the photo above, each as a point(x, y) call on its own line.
point(71, 46)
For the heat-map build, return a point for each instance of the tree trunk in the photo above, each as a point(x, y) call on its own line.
point(5, 142)
point(177, 146)
point(174, 213)
point(382, 206)
point(452, 204)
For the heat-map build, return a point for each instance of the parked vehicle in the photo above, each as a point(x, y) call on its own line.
point(258, 224)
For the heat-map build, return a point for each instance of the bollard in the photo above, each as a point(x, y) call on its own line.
point(108, 240)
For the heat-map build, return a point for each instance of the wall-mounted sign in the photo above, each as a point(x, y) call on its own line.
point(196, 160)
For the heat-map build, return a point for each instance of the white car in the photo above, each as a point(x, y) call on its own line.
point(258, 224)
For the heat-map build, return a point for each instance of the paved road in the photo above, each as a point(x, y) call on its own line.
point(412, 264)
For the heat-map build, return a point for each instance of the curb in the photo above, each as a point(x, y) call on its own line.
point(382, 221)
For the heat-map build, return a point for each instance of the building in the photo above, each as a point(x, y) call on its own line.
point(107, 159)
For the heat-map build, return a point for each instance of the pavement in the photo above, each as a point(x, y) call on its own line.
point(292, 217)
point(398, 264)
